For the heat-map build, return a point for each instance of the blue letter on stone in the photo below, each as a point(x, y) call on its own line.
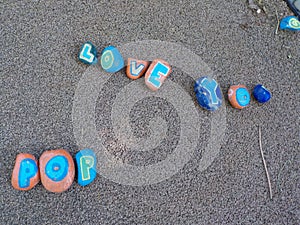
point(158, 71)
point(28, 169)
point(57, 168)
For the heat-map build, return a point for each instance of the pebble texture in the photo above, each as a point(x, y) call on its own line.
point(238, 45)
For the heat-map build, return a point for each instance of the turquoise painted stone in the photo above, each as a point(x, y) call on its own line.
point(112, 60)
point(88, 53)
point(86, 166)
point(208, 93)
point(290, 23)
point(261, 94)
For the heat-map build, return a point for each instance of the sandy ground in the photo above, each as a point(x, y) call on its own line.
point(40, 72)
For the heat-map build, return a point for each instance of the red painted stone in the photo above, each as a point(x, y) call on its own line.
point(25, 174)
point(238, 96)
point(57, 170)
point(136, 68)
point(156, 74)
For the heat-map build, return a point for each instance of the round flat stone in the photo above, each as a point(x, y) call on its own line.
point(111, 60)
point(261, 94)
point(57, 170)
point(25, 173)
point(208, 93)
point(238, 96)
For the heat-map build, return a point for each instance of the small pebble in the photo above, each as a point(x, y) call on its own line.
point(261, 94)
point(208, 93)
point(86, 166)
point(57, 170)
point(88, 53)
point(25, 173)
point(136, 68)
point(156, 74)
point(111, 60)
point(238, 96)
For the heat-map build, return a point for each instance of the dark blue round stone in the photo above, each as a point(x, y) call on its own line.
point(261, 94)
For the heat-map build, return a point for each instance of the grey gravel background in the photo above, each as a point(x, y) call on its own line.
point(39, 73)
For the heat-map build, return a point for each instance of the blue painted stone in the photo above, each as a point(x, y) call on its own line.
point(112, 60)
point(290, 23)
point(86, 166)
point(208, 93)
point(88, 53)
point(261, 94)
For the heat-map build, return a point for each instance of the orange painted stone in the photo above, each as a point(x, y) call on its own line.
point(238, 96)
point(136, 68)
point(25, 173)
point(156, 74)
point(57, 170)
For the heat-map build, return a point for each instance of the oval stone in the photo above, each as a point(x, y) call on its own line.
point(208, 93)
point(86, 166)
point(57, 170)
point(238, 96)
point(25, 173)
point(261, 94)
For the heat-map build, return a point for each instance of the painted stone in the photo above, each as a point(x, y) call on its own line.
point(136, 68)
point(156, 74)
point(86, 166)
point(88, 53)
point(57, 170)
point(208, 93)
point(25, 173)
point(290, 23)
point(111, 60)
point(238, 96)
point(261, 94)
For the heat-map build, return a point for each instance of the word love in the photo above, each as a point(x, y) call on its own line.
point(55, 169)
point(112, 61)
point(207, 90)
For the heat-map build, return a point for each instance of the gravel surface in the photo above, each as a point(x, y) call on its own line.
point(39, 75)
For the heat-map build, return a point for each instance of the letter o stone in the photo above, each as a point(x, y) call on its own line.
point(57, 170)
